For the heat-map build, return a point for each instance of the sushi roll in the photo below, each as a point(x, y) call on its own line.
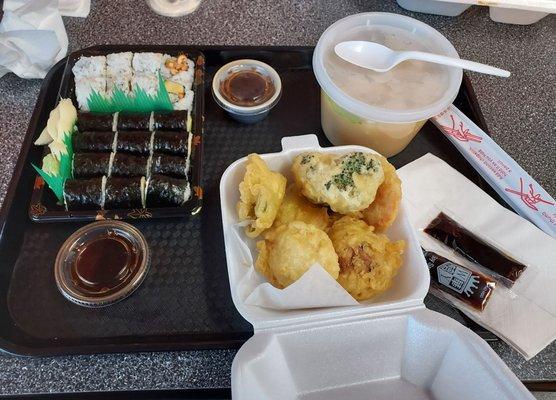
point(84, 193)
point(89, 67)
point(186, 102)
point(124, 193)
point(147, 62)
point(146, 81)
point(164, 191)
point(84, 88)
point(135, 142)
point(134, 122)
point(178, 69)
point(93, 141)
point(87, 121)
point(119, 72)
point(122, 82)
point(127, 165)
point(119, 63)
point(169, 165)
point(88, 165)
point(171, 142)
point(170, 121)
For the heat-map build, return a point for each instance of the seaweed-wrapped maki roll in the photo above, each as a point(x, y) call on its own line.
point(88, 165)
point(93, 141)
point(164, 191)
point(170, 121)
point(136, 142)
point(169, 165)
point(134, 122)
point(124, 193)
point(87, 121)
point(84, 193)
point(127, 165)
point(172, 142)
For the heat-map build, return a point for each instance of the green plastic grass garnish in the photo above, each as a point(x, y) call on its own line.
point(138, 101)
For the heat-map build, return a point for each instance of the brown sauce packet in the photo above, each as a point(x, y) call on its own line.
point(464, 242)
point(468, 286)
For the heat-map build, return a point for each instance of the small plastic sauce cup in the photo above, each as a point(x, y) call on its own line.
point(247, 114)
point(382, 111)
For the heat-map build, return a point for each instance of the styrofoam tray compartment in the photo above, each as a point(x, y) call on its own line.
point(389, 347)
point(521, 12)
point(419, 355)
point(408, 289)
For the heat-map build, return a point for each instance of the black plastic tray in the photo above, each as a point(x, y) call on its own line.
point(43, 206)
point(184, 302)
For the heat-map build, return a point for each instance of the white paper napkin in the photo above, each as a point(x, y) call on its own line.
point(74, 8)
point(525, 315)
point(32, 37)
point(315, 289)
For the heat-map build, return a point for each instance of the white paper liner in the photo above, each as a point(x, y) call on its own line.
point(525, 315)
point(315, 289)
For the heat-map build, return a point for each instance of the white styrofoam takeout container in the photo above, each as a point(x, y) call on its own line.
point(389, 347)
point(520, 12)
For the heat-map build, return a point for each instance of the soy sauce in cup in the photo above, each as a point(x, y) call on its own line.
point(247, 88)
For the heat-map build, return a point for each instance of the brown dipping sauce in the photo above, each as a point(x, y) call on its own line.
point(464, 242)
point(105, 264)
point(247, 88)
point(466, 285)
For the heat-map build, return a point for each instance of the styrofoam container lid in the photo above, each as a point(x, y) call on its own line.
point(389, 347)
point(412, 91)
point(417, 355)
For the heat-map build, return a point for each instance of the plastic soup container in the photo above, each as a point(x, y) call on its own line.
point(382, 110)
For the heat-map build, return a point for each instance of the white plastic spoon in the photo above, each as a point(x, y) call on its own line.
point(380, 58)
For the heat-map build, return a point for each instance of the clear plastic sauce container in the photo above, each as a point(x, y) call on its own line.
point(383, 111)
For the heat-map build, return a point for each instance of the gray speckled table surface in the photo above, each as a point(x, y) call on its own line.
point(520, 112)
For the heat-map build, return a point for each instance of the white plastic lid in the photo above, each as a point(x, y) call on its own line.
point(412, 91)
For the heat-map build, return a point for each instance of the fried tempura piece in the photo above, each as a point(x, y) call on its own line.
point(261, 193)
point(291, 249)
point(347, 182)
point(368, 261)
point(383, 210)
point(295, 207)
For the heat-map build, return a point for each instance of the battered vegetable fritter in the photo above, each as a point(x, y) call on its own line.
point(261, 193)
point(368, 261)
point(291, 249)
point(347, 183)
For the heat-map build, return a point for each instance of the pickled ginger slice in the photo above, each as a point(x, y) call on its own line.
point(50, 165)
point(67, 117)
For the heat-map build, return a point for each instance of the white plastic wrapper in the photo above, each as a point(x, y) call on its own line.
point(502, 172)
point(74, 8)
point(315, 289)
point(32, 37)
point(525, 315)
